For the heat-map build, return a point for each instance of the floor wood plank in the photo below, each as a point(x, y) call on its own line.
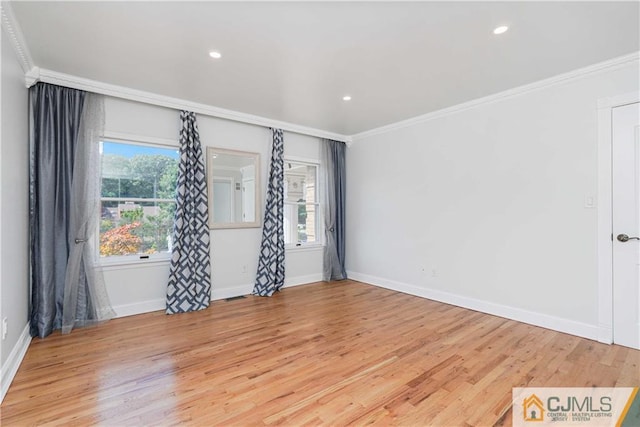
point(342, 353)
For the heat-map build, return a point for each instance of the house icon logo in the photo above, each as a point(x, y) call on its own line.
point(533, 408)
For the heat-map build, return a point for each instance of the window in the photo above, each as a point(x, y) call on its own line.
point(138, 185)
point(301, 207)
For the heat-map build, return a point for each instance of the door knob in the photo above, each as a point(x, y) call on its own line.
point(625, 238)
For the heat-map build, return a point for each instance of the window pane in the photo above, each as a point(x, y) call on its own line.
point(306, 223)
point(135, 228)
point(300, 215)
point(131, 173)
point(300, 182)
point(131, 170)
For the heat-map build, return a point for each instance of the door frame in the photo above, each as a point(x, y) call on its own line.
point(605, 211)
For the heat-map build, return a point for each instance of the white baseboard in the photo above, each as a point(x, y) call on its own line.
point(236, 291)
point(247, 289)
point(605, 334)
point(141, 307)
point(533, 318)
point(158, 304)
point(302, 280)
point(10, 367)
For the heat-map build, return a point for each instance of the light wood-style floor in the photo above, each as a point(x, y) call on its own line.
point(341, 353)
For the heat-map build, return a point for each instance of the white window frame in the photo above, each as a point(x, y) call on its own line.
point(319, 243)
point(141, 259)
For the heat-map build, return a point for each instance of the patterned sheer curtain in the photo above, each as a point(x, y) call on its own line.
point(270, 275)
point(333, 159)
point(189, 287)
point(66, 288)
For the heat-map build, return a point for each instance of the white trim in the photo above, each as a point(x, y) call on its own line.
point(236, 291)
point(31, 77)
point(43, 75)
point(510, 93)
point(10, 367)
point(604, 242)
point(111, 136)
point(310, 247)
point(141, 307)
point(619, 100)
point(14, 31)
point(303, 160)
point(290, 282)
point(520, 315)
point(247, 289)
point(159, 304)
point(127, 262)
point(605, 212)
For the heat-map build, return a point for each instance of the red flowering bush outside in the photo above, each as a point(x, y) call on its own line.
point(120, 240)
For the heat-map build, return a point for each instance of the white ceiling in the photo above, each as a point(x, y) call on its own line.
point(293, 61)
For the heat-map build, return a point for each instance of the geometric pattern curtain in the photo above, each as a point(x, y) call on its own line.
point(333, 159)
point(270, 275)
point(189, 286)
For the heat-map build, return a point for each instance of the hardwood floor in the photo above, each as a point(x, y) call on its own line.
point(323, 354)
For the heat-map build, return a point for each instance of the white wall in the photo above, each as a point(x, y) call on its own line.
point(14, 201)
point(234, 253)
point(485, 207)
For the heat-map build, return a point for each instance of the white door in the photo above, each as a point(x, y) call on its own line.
point(626, 225)
point(222, 200)
point(248, 200)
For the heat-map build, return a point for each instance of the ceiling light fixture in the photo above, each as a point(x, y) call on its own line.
point(501, 29)
point(346, 98)
point(215, 54)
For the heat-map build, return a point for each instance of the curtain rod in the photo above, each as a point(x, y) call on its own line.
point(37, 74)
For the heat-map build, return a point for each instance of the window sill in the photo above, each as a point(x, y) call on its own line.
point(122, 263)
point(304, 248)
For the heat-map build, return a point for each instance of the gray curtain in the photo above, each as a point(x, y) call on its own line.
point(57, 218)
point(270, 275)
point(85, 296)
point(189, 287)
point(333, 160)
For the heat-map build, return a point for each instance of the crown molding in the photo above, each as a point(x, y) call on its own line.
point(13, 30)
point(609, 65)
point(619, 100)
point(35, 75)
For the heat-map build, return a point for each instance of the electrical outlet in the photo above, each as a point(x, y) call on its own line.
point(5, 327)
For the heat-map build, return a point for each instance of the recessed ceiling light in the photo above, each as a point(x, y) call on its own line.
point(215, 54)
point(346, 98)
point(501, 29)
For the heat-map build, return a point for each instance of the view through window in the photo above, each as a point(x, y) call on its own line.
point(301, 207)
point(137, 198)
